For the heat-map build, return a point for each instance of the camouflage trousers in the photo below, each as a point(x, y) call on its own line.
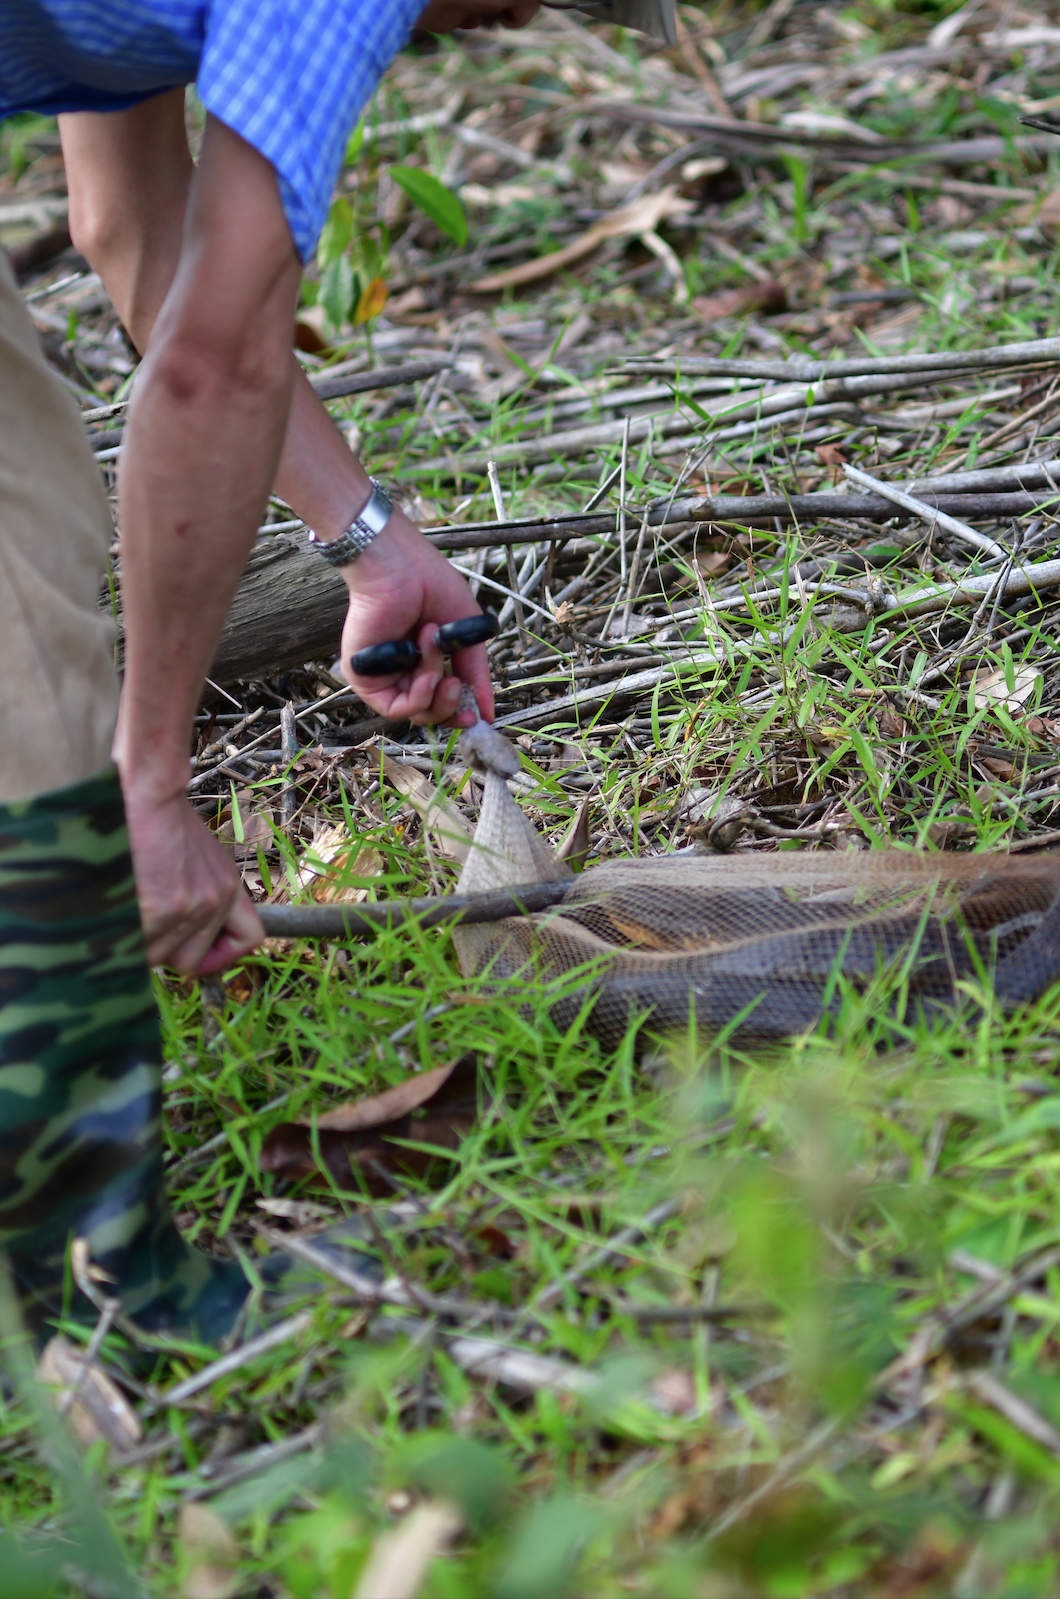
point(80, 1052)
point(80, 1075)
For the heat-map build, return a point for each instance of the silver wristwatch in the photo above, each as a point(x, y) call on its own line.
point(366, 526)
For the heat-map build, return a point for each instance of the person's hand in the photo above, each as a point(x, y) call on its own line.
point(196, 916)
point(402, 587)
point(443, 16)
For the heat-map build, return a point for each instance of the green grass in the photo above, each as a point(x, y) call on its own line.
point(822, 1192)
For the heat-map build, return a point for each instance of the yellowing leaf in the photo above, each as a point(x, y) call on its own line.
point(373, 299)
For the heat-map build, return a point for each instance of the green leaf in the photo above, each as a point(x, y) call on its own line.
point(337, 289)
point(336, 233)
point(439, 203)
point(356, 141)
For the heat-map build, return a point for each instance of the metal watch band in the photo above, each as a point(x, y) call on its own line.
point(366, 526)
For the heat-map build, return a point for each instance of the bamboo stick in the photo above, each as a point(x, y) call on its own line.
point(803, 369)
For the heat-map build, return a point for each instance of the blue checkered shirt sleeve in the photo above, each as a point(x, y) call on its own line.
point(292, 77)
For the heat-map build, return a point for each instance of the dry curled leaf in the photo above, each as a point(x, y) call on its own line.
point(640, 217)
point(574, 846)
point(100, 1410)
point(356, 1140)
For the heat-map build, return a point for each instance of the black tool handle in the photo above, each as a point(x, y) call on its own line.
point(383, 660)
point(401, 655)
point(464, 635)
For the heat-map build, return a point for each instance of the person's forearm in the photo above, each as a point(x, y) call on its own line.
point(188, 523)
point(133, 239)
point(204, 438)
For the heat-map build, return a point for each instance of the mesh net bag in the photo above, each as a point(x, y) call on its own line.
point(760, 940)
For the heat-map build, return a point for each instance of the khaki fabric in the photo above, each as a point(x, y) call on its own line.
point(58, 688)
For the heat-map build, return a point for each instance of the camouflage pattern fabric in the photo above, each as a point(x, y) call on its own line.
point(80, 1076)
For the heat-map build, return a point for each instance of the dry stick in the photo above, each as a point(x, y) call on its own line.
point(281, 1334)
point(990, 479)
point(782, 1472)
point(766, 141)
point(984, 1300)
point(632, 683)
point(202, 1152)
point(391, 1292)
point(384, 377)
point(928, 513)
point(365, 921)
point(634, 571)
point(256, 743)
point(1024, 580)
point(288, 754)
point(599, 493)
point(993, 1392)
point(621, 529)
point(238, 1468)
point(755, 406)
point(740, 511)
point(513, 576)
point(623, 464)
point(1015, 423)
point(107, 1317)
point(915, 602)
point(805, 370)
point(614, 1249)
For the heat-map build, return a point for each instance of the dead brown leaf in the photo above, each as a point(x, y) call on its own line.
point(713, 563)
point(890, 724)
point(830, 454)
point(356, 1139)
point(574, 846)
point(372, 301)
point(640, 217)
point(768, 297)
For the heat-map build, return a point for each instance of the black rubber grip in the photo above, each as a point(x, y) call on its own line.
point(384, 660)
point(401, 655)
point(467, 633)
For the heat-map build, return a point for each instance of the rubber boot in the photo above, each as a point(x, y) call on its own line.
point(80, 1078)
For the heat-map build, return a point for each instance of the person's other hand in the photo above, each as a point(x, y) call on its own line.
point(196, 916)
point(402, 587)
point(443, 16)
